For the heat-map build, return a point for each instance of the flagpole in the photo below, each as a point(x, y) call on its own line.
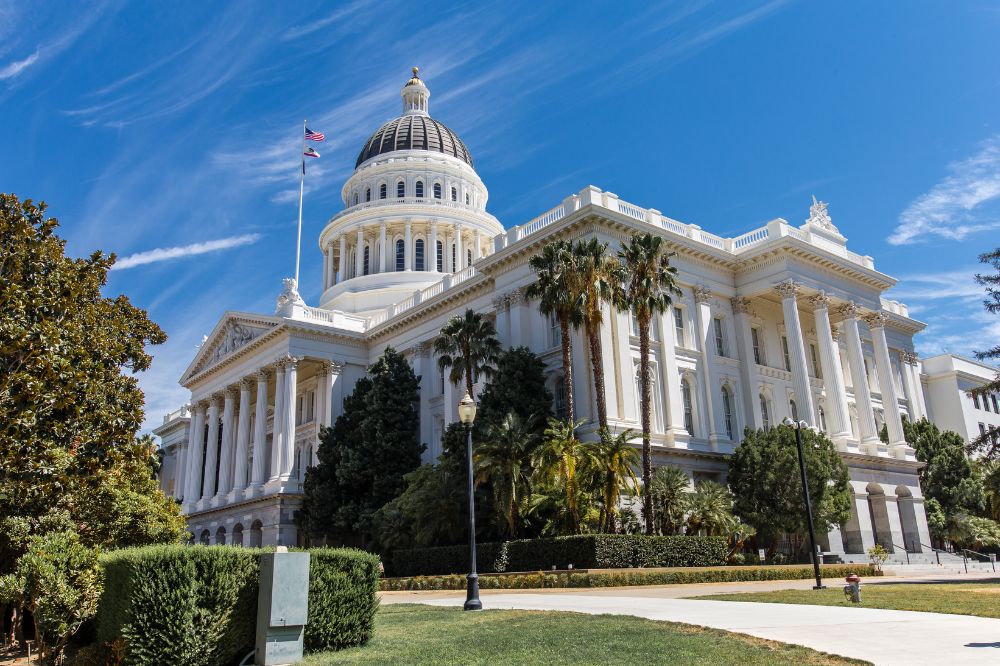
point(302, 187)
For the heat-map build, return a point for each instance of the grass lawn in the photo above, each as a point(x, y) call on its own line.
point(415, 634)
point(982, 599)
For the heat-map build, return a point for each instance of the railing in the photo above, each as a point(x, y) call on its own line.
point(980, 556)
point(403, 201)
point(751, 238)
point(540, 222)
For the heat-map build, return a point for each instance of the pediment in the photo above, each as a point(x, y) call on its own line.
point(233, 332)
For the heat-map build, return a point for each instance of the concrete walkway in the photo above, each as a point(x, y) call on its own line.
point(883, 637)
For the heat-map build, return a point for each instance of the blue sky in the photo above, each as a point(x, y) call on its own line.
point(168, 132)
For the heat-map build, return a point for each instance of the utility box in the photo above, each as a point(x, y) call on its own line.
point(282, 607)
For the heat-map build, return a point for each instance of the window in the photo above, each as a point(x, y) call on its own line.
point(419, 192)
point(758, 351)
point(688, 406)
point(355, 198)
point(817, 372)
point(720, 342)
point(400, 254)
point(365, 267)
point(975, 400)
point(381, 191)
point(784, 352)
point(440, 257)
point(765, 415)
point(454, 265)
point(466, 198)
point(822, 419)
point(418, 252)
point(454, 194)
point(368, 194)
point(982, 429)
point(794, 409)
point(996, 407)
point(311, 407)
point(727, 410)
point(442, 380)
point(679, 325)
point(468, 257)
point(437, 190)
point(400, 189)
point(986, 403)
point(555, 332)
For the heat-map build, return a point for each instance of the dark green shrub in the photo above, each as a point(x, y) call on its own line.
point(343, 586)
point(444, 560)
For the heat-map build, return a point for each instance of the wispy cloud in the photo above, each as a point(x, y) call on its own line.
point(165, 253)
point(932, 286)
point(15, 68)
point(319, 24)
point(953, 208)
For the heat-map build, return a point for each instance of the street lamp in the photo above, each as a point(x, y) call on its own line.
point(467, 414)
point(799, 426)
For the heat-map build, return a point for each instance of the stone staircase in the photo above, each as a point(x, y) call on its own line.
point(922, 564)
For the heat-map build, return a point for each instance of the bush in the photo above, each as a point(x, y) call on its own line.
point(343, 586)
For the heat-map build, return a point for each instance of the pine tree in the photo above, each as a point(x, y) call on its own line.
point(989, 444)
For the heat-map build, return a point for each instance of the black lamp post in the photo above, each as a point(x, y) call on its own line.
point(467, 414)
point(798, 426)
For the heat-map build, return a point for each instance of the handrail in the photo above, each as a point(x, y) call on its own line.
point(937, 552)
point(978, 554)
point(905, 550)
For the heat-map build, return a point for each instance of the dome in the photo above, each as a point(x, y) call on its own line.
point(415, 129)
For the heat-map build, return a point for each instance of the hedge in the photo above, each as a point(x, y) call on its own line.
point(564, 579)
point(587, 551)
point(197, 605)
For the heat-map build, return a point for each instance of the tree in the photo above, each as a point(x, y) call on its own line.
point(428, 513)
point(553, 289)
point(764, 479)
point(504, 460)
point(595, 276)
point(647, 289)
point(710, 510)
point(363, 458)
point(670, 493)
point(468, 346)
point(613, 460)
point(517, 386)
point(557, 461)
point(989, 444)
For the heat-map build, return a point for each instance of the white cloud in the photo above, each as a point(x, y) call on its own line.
point(165, 253)
point(958, 283)
point(953, 207)
point(18, 66)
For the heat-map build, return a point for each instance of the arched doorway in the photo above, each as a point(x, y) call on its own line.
point(908, 520)
point(238, 534)
point(256, 534)
point(205, 538)
point(220, 536)
point(880, 516)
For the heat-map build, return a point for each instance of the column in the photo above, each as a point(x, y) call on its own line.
point(342, 268)
point(359, 254)
point(278, 424)
point(408, 247)
point(288, 445)
point(211, 451)
point(862, 396)
point(260, 432)
point(180, 475)
point(243, 437)
point(797, 352)
point(196, 448)
point(883, 365)
point(703, 297)
point(518, 304)
point(911, 384)
point(748, 366)
point(833, 379)
point(670, 379)
point(627, 370)
point(477, 252)
point(381, 248)
point(331, 273)
point(432, 252)
point(613, 401)
point(422, 369)
point(228, 441)
point(459, 257)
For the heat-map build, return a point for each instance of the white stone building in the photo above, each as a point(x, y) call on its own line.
point(784, 320)
point(950, 379)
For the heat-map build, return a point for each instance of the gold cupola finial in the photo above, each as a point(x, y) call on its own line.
point(415, 70)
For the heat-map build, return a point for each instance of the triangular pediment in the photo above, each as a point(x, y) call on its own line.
point(234, 331)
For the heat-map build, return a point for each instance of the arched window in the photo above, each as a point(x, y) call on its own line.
point(466, 198)
point(381, 191)
point(468, 257)
point(454, 266)
point(355, 198)
point(419, 189)
point(400, 255)
point(765, 415)
point(437, 190)
point(688, 406)
point(368, 194)
point(418, 254)
point(440, 257)
point(727, 411)
point(795, 410)
point(365, 272)
point(454, 194)
point(400, 190)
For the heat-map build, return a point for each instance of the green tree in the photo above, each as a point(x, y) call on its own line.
point(430, 512)
point(764, 479)
point(557, 462)
point(553, 289)
point(517, 386)
point(670, 492)
point(648, 287)
point(989, 444)
point(613, 461)
point(468, 347)
point(710, 510)
point(504, 460)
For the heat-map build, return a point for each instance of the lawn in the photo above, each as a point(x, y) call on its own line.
point(982, 599)
point(415, 634)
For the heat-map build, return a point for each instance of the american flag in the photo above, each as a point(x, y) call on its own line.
point(310, 153)
point(314, 136)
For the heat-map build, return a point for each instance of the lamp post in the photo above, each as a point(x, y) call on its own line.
point(798, 426)
point(467, 414)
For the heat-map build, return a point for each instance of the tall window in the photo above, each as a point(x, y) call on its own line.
point(454, 194)
point(381, 191)
point(555, 333)
point(468, 257)
point(982, 429)
point(986, 403)
point(418, 253)
point(466, 198)
point(442, 381)
point(440, 257)
point(559, 397)
point(365, 271)
point(679, 325)
point(454, 264)
point(996, 407)
point(727, 410)
point(975, 400)
point(419, 191)
point(437, 190)
point(784, 352)
point(720, 342)
point(765, 415)
point(822, 419)
point(400, 254)
point(817, 369)
point(758, 351)
point(400, 189)
point(688, 406)
point(368, 194)
point(794, 409)
point(355, 199)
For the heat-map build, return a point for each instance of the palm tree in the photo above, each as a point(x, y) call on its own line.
point(647, 290)
point(614, 461)
point(711, 510)
point(555, 295)
point(467, 345)
point(669, 490)
point(596, 276)
point(504, 459)
point(557, 460)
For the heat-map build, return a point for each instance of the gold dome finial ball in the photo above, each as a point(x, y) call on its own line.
point(415, 70)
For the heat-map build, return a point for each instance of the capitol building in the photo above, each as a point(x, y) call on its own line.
point(782, 321)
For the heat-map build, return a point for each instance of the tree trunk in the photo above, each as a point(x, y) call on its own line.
point(567, 360)
point(645, 407)
point(468, 381)
point(597, 366)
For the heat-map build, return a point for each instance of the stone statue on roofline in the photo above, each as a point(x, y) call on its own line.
point(289, 298)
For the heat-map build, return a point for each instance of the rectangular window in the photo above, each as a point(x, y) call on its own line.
point(982, 429)
point(634, 322)
point(784, 352)
point(679, 326)
point(996, 407)
point(817, 371)
point(975, 400)
point(720, 342)
point(758, 351)
point(555, 333)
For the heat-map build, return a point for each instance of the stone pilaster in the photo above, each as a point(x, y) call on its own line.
point(833, 379)
point(862, 395)
point(788, 292)
point(883, 366)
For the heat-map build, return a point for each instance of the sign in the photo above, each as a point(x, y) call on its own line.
point(762, 553)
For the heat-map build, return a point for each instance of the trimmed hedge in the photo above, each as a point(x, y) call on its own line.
point(563, 579)
point(197, 605)
point(586, 551)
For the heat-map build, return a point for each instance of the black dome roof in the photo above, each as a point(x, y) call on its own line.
point(414, 132)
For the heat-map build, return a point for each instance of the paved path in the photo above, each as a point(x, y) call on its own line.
point(883, 637)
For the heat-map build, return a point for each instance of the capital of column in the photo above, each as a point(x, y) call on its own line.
point(787, 289)
point(330, 367)
point(702, 294)
point(849, 310)
point(909, 358)
point(875, 320)
point(517, 297)
point(230, 393)
point(215, 398)
point(741, 305)
point(500, 301)
point(835, 333)
point(246, 384)
point(262, 375)
point(820, 301)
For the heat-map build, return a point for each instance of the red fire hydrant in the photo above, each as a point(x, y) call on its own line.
point(853, 588)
